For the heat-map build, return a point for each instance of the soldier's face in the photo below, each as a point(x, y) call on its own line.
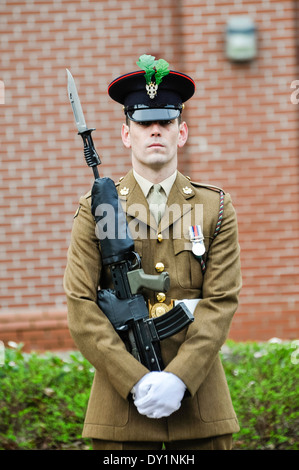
point(154, 144)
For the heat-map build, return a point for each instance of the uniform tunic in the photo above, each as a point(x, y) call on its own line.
point(192, 354)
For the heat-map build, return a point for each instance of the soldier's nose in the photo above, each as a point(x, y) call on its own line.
point(155, 129)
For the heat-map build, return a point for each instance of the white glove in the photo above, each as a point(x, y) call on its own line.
point(158, 394)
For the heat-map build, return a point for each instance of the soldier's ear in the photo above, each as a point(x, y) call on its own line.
point(183, 134)
point(125, 135)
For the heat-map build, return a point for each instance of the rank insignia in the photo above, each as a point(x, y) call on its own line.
point(187, 190)
point(124, 191)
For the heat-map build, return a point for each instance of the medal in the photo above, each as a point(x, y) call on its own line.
point(197, 238)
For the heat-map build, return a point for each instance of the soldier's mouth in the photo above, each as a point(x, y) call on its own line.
point(156, 144)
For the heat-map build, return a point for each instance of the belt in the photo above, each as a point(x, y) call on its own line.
point(160, 308)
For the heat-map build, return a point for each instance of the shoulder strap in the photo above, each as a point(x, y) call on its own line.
point(212, 187)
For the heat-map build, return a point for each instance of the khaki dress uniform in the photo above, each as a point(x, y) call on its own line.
point(192, 354)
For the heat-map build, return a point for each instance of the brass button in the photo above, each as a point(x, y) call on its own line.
point(159, 237)
point(159, 267)
point(161, 297)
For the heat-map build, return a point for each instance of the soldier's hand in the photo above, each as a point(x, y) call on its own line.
point(158, 394)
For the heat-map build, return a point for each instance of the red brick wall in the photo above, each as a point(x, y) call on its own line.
point(243, 137)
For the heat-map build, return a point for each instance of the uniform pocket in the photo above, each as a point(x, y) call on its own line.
point(214, 400)
point(106, 407)
point(189, 274)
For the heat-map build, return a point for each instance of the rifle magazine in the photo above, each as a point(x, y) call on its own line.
point(173, 321)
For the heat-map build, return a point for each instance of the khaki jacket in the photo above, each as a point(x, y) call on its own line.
point(192, 354)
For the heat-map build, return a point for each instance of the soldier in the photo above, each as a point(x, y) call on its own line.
point(189, 230)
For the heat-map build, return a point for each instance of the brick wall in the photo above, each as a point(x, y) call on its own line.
point(243, 137)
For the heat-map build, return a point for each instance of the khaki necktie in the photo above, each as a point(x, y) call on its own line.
point(157, 201)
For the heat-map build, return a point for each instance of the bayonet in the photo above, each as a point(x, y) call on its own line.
point(90, 154)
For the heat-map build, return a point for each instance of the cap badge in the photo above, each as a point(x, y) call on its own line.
point(153, 69)
point(151, 89)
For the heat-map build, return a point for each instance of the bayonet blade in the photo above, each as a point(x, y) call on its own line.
point(75, 102)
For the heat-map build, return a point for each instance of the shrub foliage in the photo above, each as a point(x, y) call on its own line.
point(43, 398)
point(264, 384)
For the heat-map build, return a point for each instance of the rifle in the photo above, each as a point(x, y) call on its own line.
point(125, 306)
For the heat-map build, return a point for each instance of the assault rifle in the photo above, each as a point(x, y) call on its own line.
point(125, 305)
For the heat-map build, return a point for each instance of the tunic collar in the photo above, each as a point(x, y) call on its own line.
point(146, 185)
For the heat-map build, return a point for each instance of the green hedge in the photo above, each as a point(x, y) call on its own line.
point(42, 400)
point(43, 397)
point(264, 385)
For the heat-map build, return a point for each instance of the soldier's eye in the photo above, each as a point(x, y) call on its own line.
point(145, 123)
point(166, 123)
point(160, 123)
